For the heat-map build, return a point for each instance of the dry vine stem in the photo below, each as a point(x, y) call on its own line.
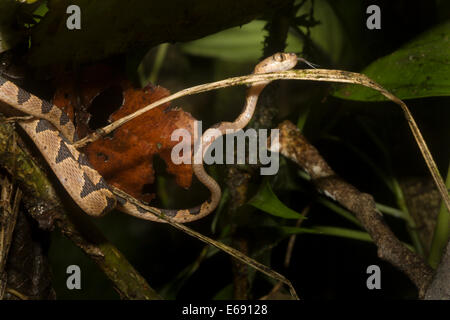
point(93, 243)
point(44, 204)
point(295, 147)
point(231, 251)
point(9, 203)
point(313, 75)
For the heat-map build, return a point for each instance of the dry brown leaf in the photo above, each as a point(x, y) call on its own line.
point(125, 158)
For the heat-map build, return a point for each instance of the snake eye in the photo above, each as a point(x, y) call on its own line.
point(278, 57)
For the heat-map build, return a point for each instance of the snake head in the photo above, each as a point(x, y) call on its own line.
point(278, 62)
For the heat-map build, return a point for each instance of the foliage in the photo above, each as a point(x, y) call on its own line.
point(368, 144)
point(421, 68)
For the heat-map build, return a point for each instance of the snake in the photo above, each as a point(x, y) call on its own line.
point(53, 133)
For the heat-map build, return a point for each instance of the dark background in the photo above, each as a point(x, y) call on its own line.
point(322, 267)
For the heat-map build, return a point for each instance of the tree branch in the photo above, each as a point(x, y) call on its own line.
point(294, 146)
point(45, 206)
point(439, 288)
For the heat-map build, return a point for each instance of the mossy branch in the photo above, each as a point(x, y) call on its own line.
point(79, 229)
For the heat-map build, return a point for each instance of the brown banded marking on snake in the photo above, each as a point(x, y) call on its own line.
point(29, 104)
point(88, 189)
point(53, 133)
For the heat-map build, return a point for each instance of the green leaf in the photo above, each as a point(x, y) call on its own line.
point(267, 201)
point(330, 231)
point(419, 69)
point(116, 27)
point(239, 44)
point(226, 293)
point(334, 206)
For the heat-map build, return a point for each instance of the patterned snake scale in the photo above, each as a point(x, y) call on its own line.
point(53, 133)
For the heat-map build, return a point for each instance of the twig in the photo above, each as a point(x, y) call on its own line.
point(441, 233)
point(17, 294)
point(311, 74)
point(126, 280)
point(238, 181)
point(287, 256)
point(8, 215)
point(231, 251)
point(237, 178)
point(272, 292)
point(295, 147)
point(416, 264)
point(293, 237)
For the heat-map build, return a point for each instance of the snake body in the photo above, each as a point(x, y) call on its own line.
point(53, 133)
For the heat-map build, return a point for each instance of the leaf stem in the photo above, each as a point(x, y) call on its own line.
point(441, 231)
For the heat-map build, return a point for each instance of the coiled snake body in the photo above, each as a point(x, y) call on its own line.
point(53, 133)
